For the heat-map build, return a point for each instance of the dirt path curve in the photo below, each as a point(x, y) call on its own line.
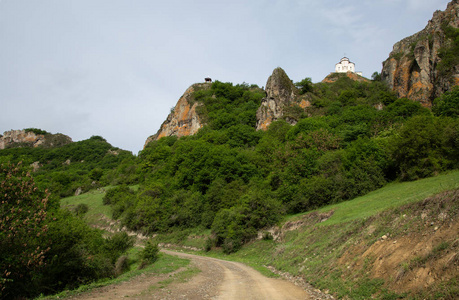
point(231, 280)
point(217, 280)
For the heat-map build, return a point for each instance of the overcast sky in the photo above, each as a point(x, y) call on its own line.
point(115, 68)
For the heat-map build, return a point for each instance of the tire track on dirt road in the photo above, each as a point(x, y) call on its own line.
point(233, 280)
point(217, 280)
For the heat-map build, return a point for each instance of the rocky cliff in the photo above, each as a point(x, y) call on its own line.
point(30, 138)
point(281, 98)
point(183, 119)
point(333, 77)
point(425, 65)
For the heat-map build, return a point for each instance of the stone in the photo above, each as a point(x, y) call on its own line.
point(78, 191)
point(183, 119)
point(411, 69)
point(35, 166)
point(23, 138)
point(12, 137)
point(280, 94)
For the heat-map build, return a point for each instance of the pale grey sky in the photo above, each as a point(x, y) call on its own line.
point(115, 67)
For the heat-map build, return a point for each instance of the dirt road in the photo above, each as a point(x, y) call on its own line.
point(232, 280)
point(217, 279)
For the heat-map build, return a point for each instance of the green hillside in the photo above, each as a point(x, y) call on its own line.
point(391, 196)
point(338, 248)
point(324, 238)
point(228, 182)
point(234, 180)
point(86, 165)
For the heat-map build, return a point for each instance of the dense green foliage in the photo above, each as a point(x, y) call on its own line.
point(448, 104)
point(304, 85)
point(36, 131)
point(236, 180)
point(87, 164)
point(230, 107)
point(23, 216)
point(44, 249)
point(448, 53)
point(150, 252)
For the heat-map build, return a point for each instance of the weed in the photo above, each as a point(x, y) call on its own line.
point(180, 277)
point(440, 247)
point(267, 236)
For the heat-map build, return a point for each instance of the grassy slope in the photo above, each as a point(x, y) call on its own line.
point(319, 251)
point(93, 199)
point(391, 196)
point(330, 254)
point(314, 250)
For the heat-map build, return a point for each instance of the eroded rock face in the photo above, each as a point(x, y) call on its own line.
point(21, 138)
point(411, 69)
point(183, 120)
point(280, 94)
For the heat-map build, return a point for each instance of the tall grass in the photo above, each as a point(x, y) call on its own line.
point(93, 199)
point(390, 196)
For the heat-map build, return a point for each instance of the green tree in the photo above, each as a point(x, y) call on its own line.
point(376, 76)
point(447, 105)
point(150, 252)
point(23, 216)
point(424, 146)
point(96, 174)
point(304, 85)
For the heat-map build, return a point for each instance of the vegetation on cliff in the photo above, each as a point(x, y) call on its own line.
point(448, 53)
point(236, 180)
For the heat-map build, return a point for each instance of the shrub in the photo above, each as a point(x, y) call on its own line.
point(23, 218)
point(448, 53)
point(267, 236)
point(118, 197)
point(230, 228)
point(403, 109)
point(121, 265)
point(150, 253)
point(117, 244)
point(36, 131)
point(77, 254)
point(447, 105)
point(235, 226)
point(424, 146)
point(96, 174)
point(210, 242)
point(81, 209)
point(304, 85)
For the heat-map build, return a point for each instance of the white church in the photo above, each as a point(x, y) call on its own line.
point(345, 65)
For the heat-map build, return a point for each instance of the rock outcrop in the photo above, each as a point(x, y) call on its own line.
point(333, 77)
point(183, 120)
point(281, 94)
point(28, 138)
point(412, 69)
